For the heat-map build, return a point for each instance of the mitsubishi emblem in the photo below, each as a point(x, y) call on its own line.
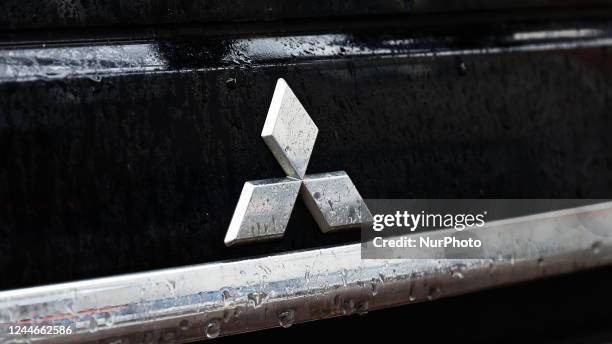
point(264, 207)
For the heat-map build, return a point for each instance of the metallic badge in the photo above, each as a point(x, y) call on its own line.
point(264, 207)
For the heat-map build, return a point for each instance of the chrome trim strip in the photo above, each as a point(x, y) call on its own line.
point(218, 299)
point(115, 57)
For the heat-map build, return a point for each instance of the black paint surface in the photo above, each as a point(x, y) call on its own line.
point(131, 169)
point(37, 14)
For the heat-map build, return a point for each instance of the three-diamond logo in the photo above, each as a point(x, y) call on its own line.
point(264, 207)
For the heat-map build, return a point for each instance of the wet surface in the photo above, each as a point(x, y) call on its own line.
point(190, 52)
point(126, 156)
point(565, 309)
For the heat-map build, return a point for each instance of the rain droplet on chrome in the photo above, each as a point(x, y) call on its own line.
point(286, 318)
point(596, 247)
point(184, 325)
point(362, 307)
point(348, 307)
point(212, 329)
point(457, 271)
point(433, 293)
point(411, 296)
point(225, 296)
point(374, 287)
point(256, 299)
point(227, 316)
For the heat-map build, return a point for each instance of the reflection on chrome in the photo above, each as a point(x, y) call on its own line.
point(211, 300)
point(99, 59)
point(572, 33)
point(92, 61)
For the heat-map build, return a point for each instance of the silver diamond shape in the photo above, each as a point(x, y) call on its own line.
point(333, 201)
point(263, 210)
point(289, 131)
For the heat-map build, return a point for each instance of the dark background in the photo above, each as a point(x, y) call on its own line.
point(136, 171)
